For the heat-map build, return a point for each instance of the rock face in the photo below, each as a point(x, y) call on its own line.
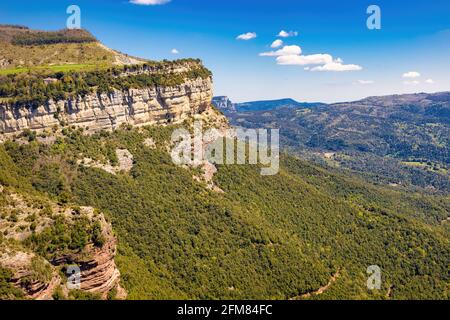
point(153, 105)
point(37, 276)
point(99, 273)
point(34, 286)
point(125, 163)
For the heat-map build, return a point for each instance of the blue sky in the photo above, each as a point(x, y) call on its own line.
point(410, 53)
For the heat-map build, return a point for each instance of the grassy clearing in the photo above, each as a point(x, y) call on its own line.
point(414, 164)
point(432, 167)
point(22, 57)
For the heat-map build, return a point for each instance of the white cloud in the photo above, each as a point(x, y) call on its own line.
point(303, 60)
point(325, 62)
point(149, 2)
point(175, 51)
point(365, 82)
point(246, 36)
point(337, 66)
point(429, 81)
point(292, 55)
point(285, 51)
point(411, 75)
point(287, 34)
point(277, 43)
point(411, 83)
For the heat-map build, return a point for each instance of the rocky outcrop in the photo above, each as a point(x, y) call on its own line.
point(99, 273)
point(37, 276)
point(95, 112)
point(28, 276)
point(125, 163)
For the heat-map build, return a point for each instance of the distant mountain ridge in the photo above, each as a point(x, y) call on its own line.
point(398, 139)
point(225, 104)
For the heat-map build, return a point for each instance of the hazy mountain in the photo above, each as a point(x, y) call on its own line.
point(226, 105)
point(400, 139)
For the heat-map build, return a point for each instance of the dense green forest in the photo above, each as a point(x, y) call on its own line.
point(264, 237)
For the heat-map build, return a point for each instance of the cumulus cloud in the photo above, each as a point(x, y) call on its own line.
point(175, 51)
point(292, 55)
point(304, 60)
point(429, 81)
point(149, 2)
point(285, 51)
point(287, 34)
point(277, 43)
point(365, 82)
point(322, 61)
point(337, 66)
point(246, 36)
point(411, 75)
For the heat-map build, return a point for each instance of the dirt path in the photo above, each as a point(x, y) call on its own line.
point(321, 290)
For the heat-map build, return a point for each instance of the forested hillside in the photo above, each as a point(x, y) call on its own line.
point(184, 233)
point(400, 140)
point(265, 237)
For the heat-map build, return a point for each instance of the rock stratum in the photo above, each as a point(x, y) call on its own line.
point(68, 79)
point(95, 112)
point(39, 261)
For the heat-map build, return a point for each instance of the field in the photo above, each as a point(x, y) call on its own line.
point(16, 59)
point(53, 68)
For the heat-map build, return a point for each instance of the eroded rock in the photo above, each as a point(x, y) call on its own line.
point(38, 277)
point(95, 112)
point(124, 157)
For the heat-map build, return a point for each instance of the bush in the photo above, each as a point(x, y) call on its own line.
point(7, 290)
point(32, 91)
point(43, 38)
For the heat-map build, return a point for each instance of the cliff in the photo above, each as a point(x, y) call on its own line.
point(37, 258)
point(68, 81)
point(96, 111)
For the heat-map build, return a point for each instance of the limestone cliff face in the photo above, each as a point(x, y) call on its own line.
point(153, 105)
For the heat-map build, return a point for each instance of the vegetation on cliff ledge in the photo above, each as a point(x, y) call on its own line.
point(32, 90)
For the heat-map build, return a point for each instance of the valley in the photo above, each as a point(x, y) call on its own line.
point(87, 179)
point(394, 140)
